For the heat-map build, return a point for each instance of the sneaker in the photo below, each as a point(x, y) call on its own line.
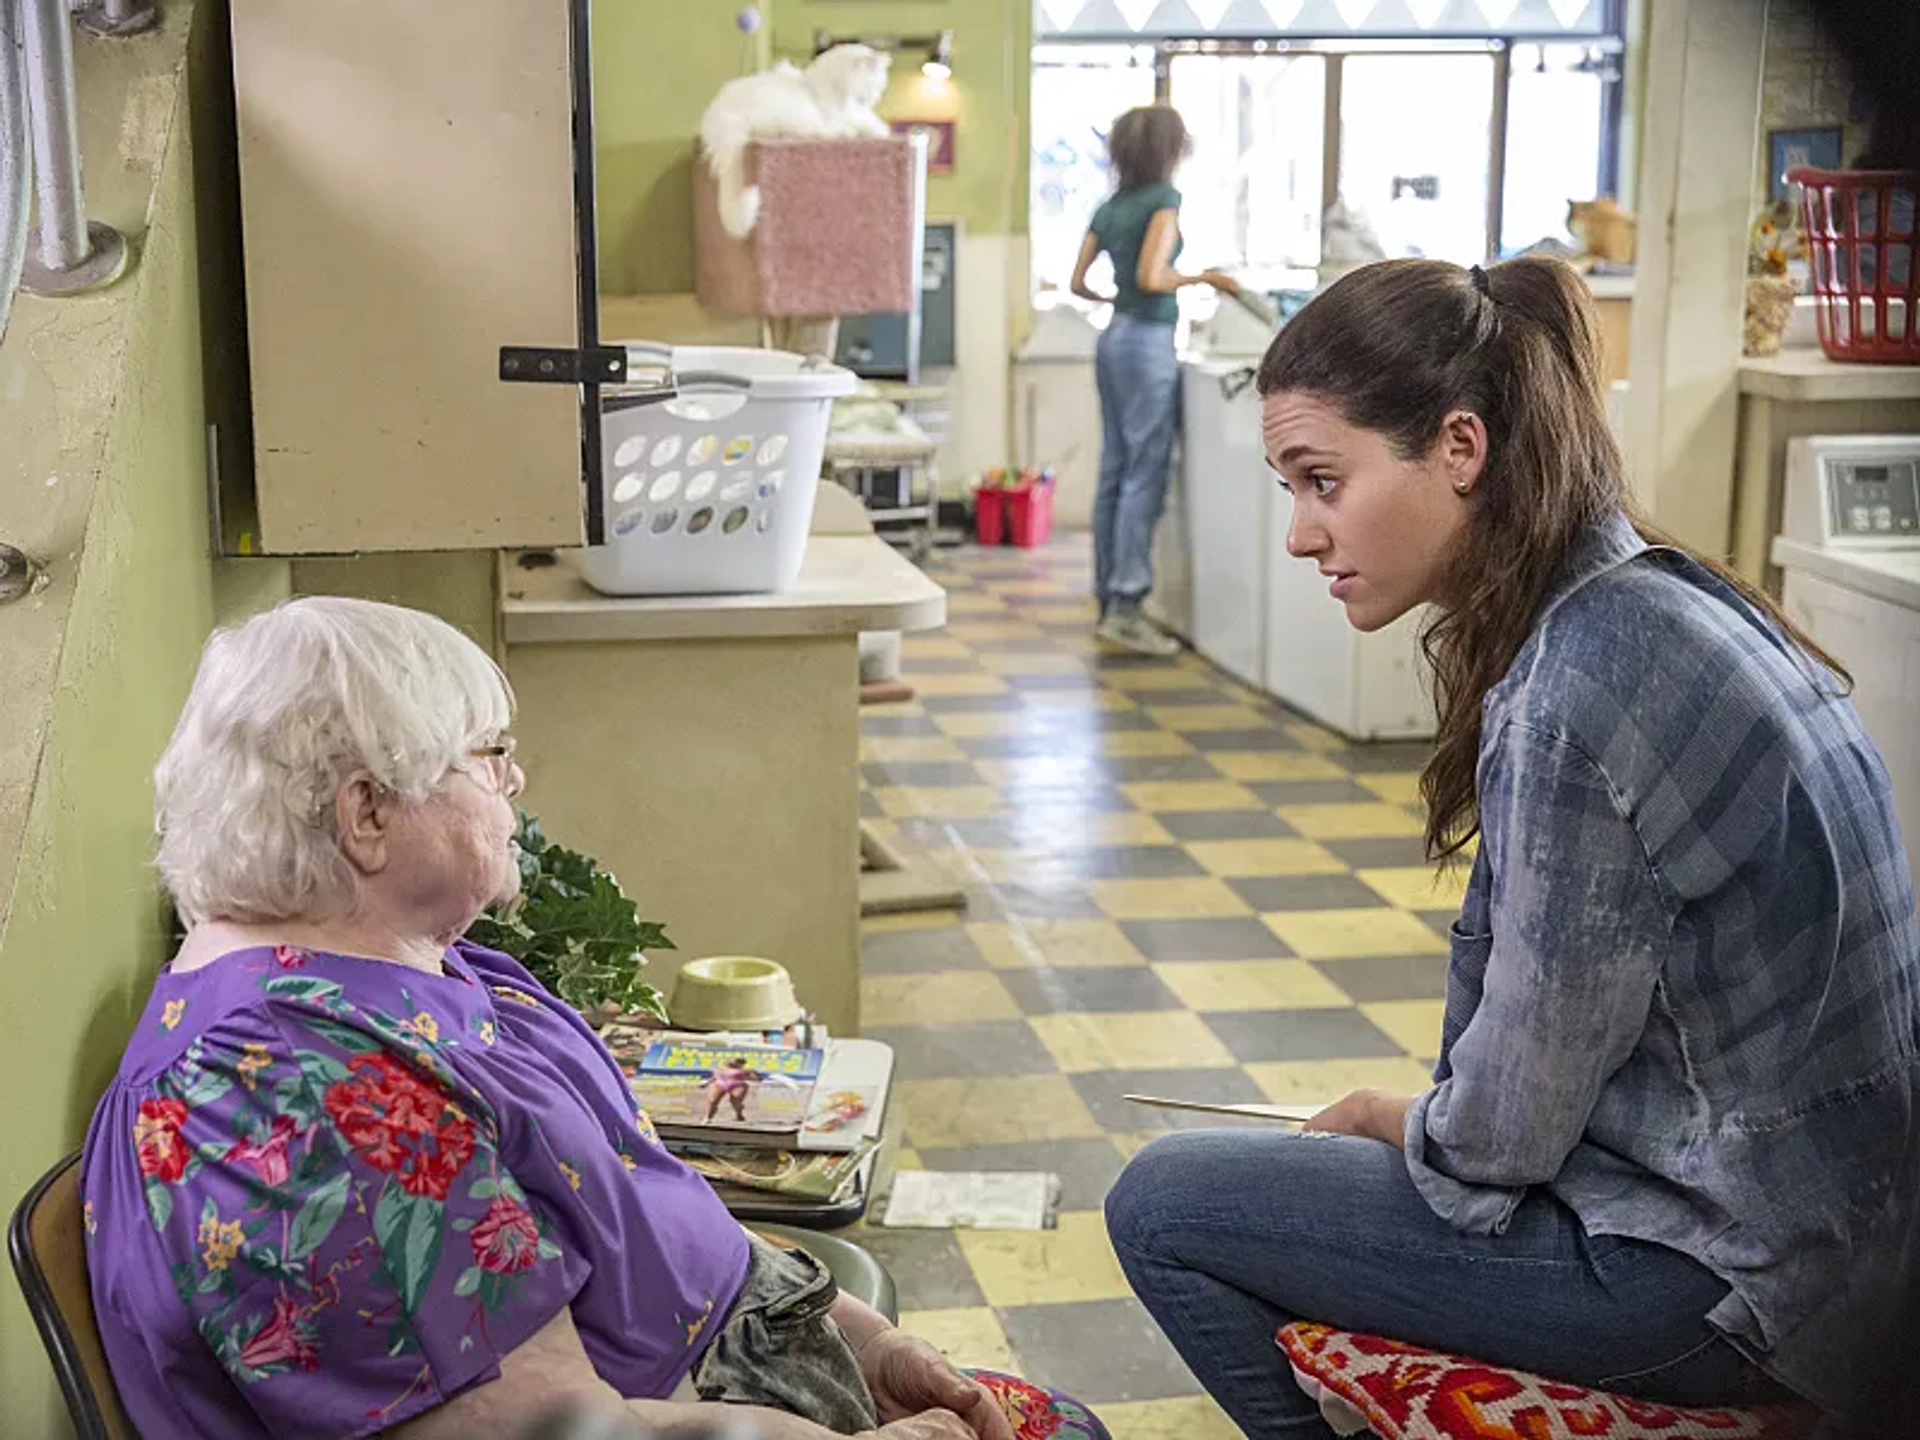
point(1137, 633)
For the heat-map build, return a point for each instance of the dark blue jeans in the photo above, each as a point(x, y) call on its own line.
point(1226, 1235)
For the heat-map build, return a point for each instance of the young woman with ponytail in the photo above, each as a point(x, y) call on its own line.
point(1670, 1143)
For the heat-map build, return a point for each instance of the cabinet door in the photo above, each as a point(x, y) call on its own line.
point(407, 183)
point(1057, 423)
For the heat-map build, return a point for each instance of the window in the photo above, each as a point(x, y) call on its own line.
point(1459, 146)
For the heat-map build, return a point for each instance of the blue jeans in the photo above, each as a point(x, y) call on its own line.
point(1138, 375)
point(1226, 1235)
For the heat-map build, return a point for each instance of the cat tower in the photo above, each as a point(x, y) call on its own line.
point(840, 232)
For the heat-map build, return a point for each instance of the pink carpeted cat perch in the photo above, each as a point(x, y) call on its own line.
point(838, 234)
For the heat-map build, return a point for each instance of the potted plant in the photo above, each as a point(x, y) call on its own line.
point(576, 933)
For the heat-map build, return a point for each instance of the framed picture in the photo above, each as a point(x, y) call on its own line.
point(1819, 147)
point(939, 135)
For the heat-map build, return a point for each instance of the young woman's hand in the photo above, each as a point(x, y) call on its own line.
point(927, 1425)
point(1370, 1114)
point(1220, 281)
point(909, 1379)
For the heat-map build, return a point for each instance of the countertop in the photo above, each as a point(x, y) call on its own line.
point(1807, 374)
point(847, 584)
point(1891, 575)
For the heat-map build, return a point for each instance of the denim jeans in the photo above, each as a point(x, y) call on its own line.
point(1138, 376)
point(1226, 1235)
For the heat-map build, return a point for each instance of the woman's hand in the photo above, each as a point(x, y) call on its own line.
point(1370, 1114)
point(910, 1380)
point(1220, 281)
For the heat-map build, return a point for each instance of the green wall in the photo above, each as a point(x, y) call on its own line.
point(657, 63)
point(85, 931)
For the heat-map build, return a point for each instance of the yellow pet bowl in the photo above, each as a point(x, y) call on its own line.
point(733, 992)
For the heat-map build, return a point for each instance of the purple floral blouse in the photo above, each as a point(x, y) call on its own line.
point(324, 1194)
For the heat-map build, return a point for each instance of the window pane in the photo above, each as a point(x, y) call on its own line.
point(1252, 189)
point(1415, 136)
point(1078, 90)
point(1554, 101)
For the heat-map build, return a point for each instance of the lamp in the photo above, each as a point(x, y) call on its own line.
point(938, 48)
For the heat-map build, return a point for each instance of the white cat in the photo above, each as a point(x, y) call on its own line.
point(833, 98)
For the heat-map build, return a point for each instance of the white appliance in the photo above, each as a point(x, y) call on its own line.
point(1849, 549)
point(1226, 494)
point(1056, 410)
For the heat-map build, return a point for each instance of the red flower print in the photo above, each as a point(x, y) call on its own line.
point(285, 1339)
point(289, 957)
point(506, 1240)
point(156, 1139)
point(402, 1124)
point(268, 1159)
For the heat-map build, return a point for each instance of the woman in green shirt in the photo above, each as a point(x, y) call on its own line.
point(1135, 365)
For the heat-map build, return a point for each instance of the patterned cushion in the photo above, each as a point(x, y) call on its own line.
point(1405, 1393)
point(1040, 1414)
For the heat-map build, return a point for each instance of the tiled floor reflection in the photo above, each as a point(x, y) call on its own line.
point(1174, 886)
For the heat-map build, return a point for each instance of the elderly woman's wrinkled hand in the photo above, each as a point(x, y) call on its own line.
point(910, 1380)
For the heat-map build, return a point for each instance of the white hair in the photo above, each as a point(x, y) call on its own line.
point(286, 706)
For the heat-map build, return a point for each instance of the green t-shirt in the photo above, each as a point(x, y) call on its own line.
point(1120, 225)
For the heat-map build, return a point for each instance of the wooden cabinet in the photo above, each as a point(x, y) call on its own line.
point(408, 206)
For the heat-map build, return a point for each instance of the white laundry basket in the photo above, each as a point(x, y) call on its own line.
point(710, 469)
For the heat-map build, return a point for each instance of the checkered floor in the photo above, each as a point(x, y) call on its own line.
point(1175, 886)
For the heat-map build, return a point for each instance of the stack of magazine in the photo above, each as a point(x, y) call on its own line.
point(752, 1112)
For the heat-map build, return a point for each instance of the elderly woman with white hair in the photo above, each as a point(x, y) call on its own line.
point(357, 1176)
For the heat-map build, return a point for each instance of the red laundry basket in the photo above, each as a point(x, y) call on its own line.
point(1859, 228)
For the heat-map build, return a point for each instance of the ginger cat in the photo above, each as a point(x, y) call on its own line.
point(1604, 230)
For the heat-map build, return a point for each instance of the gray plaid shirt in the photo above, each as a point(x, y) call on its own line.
point(1683, 987)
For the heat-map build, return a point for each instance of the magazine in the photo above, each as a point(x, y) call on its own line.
point(827, 1178)
point(688, 1085)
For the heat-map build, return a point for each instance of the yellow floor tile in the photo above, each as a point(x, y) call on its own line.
point(1062, 944)
point(1315, 738)
point(1147, 678)
point(1193, 898)
point(1418, 887)
point(1130, 1143)
point(933, 647)
point(1043, 770)
point(960, 683)
point(1195, 718)
point(971, 1339)
point(1358, 821)
point(953, 997)
point(1260, 766)
point(1030, 662)
point(1172, 796)
point(1208, 985)
point(959, 602)
point(1143, 744)
point(895, 710)
point(1190, 1417)
point(1072, 700)
point(944, 1113)
point(882, 748)
point(975, 724)
point(1254, 859)
point(1161, 1040)
point(1315, 1082)
point(1413, 1024)
point(1046, 1267)
point(958, 802)
point(973, 630)
point(1073, 612)
point(1352, 934)
point(911, 920)
point(1396, 787)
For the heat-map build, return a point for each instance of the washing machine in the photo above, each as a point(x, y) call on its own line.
point(1849, 551)
point(1226, 494)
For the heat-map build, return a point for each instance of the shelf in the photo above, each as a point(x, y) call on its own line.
point(1808, 375)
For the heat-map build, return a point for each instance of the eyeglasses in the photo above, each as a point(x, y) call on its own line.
point(498, 761)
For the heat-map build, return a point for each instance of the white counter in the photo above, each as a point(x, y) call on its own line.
point(848, 584)
point(1808, 375)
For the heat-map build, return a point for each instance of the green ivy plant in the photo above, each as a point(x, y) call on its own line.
point(574, 930)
